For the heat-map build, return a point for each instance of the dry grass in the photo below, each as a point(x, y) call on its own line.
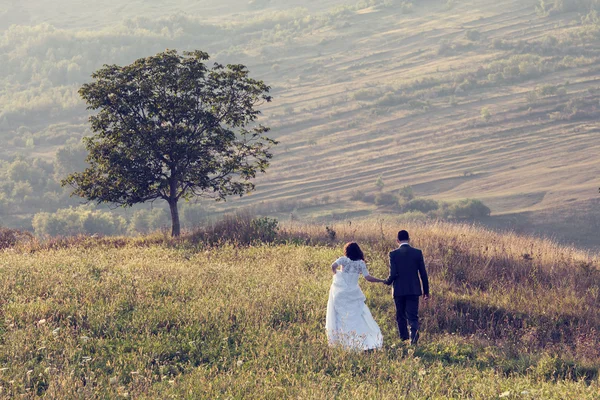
point(154, 318)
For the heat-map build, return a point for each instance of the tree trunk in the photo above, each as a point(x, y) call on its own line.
point(176, 231)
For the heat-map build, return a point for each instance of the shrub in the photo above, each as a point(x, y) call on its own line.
point(357, 195)
point(390, 99)
point(78, 221)
point(532, 97)
point(145, 221)
point(193, 215)
point(369, 198)
point(139, 222)
point(379, 183)
point(473, 35)
point(486, 114)
point(548, 90)
point(406, 193)
point(240, 228)
point(365, 94)
point(468, 209)
point(331, 233)
point(411, 216)
point(421, 205)
point(10, 237)
point(385, 199)
point(265, 229)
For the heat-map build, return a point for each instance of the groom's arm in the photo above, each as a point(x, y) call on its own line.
point(393, 273)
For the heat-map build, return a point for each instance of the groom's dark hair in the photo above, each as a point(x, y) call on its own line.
point(403, 236)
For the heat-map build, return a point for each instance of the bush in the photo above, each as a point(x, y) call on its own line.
point(193, 215)
point(379, 183)
point(486, 114)
point(548, 90)
point(390, 99)
point(420, 205)
point(146, 221)
point(385, 199)
point(240, 228)
point(473, 35)
point(369, 198)
point(265, 229)
point(78, 221)
point(365, 94)
point(468, 209)
point(406, 193)
point(411, 216)
point(10, 237)
point(357, 195)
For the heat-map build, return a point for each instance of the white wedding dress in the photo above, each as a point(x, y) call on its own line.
point(349, 322)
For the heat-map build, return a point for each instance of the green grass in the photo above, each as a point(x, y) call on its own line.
point(510, 317)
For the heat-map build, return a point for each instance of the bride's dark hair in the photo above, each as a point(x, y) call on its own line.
point(353, 251)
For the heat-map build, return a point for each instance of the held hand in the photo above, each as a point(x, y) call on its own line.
point(425, 297)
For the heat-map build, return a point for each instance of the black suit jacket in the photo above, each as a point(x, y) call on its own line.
point(406, 265)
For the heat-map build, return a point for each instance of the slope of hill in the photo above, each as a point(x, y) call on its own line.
point(510, 317)
point(496, 100)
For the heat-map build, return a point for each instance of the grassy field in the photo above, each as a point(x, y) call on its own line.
point(510, 317)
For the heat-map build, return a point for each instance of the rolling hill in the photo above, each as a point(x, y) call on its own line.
point(495, 100)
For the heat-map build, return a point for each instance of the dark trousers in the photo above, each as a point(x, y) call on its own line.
point(407, 307)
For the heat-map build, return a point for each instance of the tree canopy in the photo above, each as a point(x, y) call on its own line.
point(169, 127)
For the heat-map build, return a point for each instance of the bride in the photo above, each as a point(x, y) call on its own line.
point(349, 322)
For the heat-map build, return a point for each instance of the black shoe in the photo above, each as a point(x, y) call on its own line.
point(414, 339)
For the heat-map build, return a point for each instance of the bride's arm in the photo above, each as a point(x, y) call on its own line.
point(373, 279)
point(334, 268)
point(368, 276)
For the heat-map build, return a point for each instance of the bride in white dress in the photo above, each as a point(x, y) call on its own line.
point(349, 322)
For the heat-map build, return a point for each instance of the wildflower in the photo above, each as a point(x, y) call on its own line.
point(239, 363)
point(504, 394)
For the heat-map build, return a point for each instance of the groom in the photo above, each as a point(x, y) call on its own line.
point(406, 265)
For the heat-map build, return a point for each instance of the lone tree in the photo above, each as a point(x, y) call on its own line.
point(169, 127)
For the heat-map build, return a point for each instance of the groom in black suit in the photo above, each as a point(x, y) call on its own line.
point(406, 265)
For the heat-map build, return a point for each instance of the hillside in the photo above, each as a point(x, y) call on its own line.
point(510, 317)
point(495, 100)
